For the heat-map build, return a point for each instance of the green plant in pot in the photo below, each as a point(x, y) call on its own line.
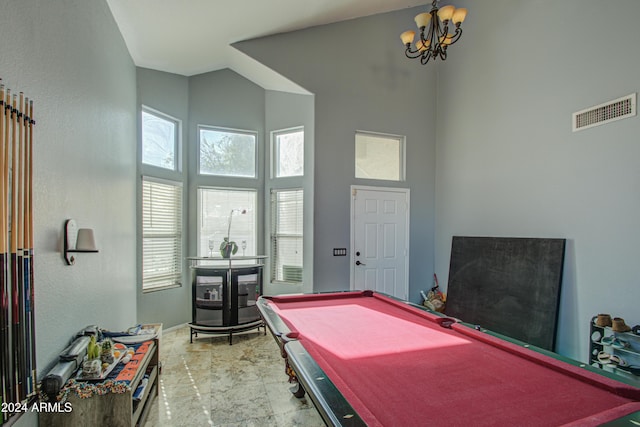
point(228, 247)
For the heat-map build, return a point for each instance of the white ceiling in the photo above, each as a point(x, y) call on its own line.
point(191, 37)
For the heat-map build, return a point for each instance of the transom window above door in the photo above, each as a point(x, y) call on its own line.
point(380, 156)
point(226, 152)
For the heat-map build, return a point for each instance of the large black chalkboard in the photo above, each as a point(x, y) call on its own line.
point(507, 285)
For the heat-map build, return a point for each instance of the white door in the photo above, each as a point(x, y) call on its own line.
point(380, 240)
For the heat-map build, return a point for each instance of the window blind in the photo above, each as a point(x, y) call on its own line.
point(161, 234)
point(287, 235)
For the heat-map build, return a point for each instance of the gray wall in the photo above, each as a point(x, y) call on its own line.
point(169, 94)
point(358, 88)
point(73, 63)
point(509, 165)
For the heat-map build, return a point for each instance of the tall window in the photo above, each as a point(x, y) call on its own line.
point(161, 234)
point(159, 140)
point(287, 235)
point(288, 153)
point(227, 152)
point(380, 156)
point(226, 213)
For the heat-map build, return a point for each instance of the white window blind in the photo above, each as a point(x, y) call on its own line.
point(287, 235)
point(161, 234)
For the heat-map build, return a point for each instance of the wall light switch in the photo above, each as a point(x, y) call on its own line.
point(339, 251)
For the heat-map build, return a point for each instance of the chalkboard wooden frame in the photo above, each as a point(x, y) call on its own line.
point(509, 285)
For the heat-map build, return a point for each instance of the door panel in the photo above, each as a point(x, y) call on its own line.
point(380, 242)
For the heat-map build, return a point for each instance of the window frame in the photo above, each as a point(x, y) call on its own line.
point(274, 235)
point(401, 154)
point(275, 152)
point(256, 142)
point(179, 236)
point(177, 143)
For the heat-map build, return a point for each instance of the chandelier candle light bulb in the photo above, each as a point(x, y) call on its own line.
point(434, 32)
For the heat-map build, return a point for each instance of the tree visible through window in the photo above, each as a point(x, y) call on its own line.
point(227, 152)
point(288, 147)
point(159, 140)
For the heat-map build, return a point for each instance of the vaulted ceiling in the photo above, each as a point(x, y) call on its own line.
point(189, 37)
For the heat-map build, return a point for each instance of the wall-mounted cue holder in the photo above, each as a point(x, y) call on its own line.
point(77, 240)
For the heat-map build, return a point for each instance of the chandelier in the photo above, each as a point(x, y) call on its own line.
point(435, 39)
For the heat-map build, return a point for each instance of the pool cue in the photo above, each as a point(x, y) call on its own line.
point(9, 373)
point(26, 252)
point(4, 309)
point(30, 325)
point(23, 367)
point(9, 378)
point(13, 245)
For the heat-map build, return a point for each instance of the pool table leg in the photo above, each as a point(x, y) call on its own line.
point(297, 389)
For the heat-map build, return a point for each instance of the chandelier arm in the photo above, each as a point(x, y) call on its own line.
point(456, 35)
point(425, 57)
point(445, 30)
point(412, 54)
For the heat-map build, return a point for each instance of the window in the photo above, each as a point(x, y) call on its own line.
point(161, 234)
point(379, 156)
point(220, 215)
point(159, 140)
point(287, 235)
point(227, 152)
point(288, 153)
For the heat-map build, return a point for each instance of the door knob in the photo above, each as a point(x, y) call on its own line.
point(360, 263)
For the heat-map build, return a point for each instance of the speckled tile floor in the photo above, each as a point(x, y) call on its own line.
point(210, 383)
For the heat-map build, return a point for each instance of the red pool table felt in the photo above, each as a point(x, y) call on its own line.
point(397, 366)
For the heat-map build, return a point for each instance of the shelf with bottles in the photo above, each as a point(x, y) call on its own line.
point(209, 292)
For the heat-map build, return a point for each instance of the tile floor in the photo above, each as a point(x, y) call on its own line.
point(210, 383)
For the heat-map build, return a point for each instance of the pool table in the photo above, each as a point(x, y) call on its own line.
point(365, 358)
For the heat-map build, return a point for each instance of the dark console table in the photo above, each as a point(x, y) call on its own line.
point(224, 294)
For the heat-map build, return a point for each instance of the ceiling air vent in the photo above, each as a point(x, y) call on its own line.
point(611, 111)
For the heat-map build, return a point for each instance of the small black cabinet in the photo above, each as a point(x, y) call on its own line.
point(224, 295)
